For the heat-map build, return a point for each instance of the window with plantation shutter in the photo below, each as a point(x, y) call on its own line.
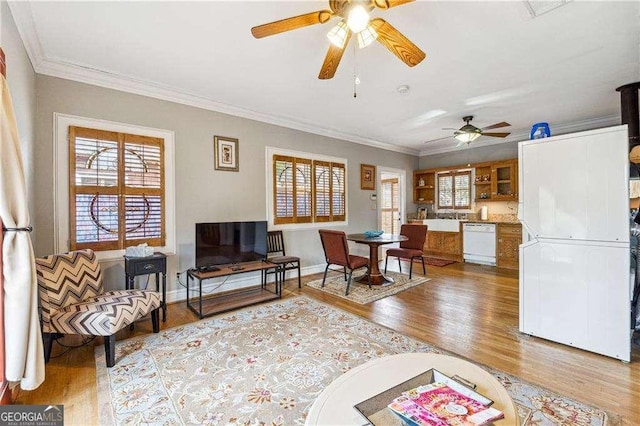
point(330, 191)
point(454, 190)
point(292, 190)
point(307, 190)
point(116, 189)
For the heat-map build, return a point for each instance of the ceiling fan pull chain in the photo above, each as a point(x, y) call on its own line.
point(356, 80)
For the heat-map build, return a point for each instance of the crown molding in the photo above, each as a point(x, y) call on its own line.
point(557, 129)
point(23, 17)
point(56, 67)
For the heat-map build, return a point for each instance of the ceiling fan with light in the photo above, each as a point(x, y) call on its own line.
point(469, 133)
point(354, 19)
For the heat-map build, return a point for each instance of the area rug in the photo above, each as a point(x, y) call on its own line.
point(361, 293)
point(434, 261)
point(265, 365)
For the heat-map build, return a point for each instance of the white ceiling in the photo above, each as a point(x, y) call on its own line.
point(492, 60)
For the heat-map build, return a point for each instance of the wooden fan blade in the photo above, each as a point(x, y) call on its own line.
point(497, 126)
point(496, 135)
point(387, 4)
point(332, 60)
point(397, 44)
point(277, 27)
point(338, 6)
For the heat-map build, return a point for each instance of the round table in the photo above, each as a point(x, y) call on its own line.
point(377, 278)
point(335, 404)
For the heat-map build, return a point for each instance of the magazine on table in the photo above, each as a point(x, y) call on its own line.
point(430, 398)
point(437, 404)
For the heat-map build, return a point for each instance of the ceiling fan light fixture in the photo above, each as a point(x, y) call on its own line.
point(338, 34)
point(358, 18)
point(466, 137)
point(367, 36)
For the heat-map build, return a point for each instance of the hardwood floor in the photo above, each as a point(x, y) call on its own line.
point(469, 310)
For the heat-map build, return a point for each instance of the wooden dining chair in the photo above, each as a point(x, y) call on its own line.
point(410, 249)
point(336, 251)
point(277, 254)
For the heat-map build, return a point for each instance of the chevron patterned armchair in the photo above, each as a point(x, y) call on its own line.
point(72, 301)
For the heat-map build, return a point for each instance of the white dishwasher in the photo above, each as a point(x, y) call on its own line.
point(479, 243)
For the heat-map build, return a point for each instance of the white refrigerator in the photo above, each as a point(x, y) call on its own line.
point(574, 260)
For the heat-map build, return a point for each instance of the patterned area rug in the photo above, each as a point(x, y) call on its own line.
point(434, 261)
point(361, 293)
point(266, 365)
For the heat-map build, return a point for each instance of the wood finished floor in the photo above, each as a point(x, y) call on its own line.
point(467, 309)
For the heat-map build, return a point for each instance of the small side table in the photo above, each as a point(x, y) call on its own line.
point(154, 264)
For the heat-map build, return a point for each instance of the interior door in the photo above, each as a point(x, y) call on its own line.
point(390, 205)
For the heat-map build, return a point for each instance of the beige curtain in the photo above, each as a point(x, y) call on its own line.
point(24, 354)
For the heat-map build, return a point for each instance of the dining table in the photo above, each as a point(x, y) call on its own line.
point(377, 277)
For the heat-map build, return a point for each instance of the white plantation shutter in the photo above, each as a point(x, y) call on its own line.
point(454, 190)
point(462, 186)
point(116, 189)
point(445, 191)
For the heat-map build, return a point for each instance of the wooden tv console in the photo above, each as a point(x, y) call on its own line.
point(215, 303)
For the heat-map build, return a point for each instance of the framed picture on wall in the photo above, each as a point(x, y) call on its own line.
point(226, 153)
point(367, 176)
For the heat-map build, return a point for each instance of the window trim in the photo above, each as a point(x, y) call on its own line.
point(453, 174)
point(61, 123)
point(269, 183)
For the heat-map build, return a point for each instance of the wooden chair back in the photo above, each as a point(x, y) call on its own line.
point(275, 243)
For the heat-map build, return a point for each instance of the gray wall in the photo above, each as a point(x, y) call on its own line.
point(202, 193)
point(22, 83)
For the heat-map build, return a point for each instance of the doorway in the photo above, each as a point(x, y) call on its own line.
point(390, 200)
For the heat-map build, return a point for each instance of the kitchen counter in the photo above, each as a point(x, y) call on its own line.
point(510, 222)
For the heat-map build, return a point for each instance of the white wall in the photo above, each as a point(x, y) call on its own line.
point(202, 193)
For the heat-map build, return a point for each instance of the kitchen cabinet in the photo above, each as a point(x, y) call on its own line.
point(424, 187)
point(509, 238)
point(446, 245)
point(494, 181)
point(497, 181)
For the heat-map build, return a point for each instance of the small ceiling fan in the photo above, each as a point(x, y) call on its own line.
point(469, 133)
point(354, 19)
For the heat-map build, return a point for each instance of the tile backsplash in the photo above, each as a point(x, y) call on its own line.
point(495, 217)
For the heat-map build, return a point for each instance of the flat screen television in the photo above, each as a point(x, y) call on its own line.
point(225, 243)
